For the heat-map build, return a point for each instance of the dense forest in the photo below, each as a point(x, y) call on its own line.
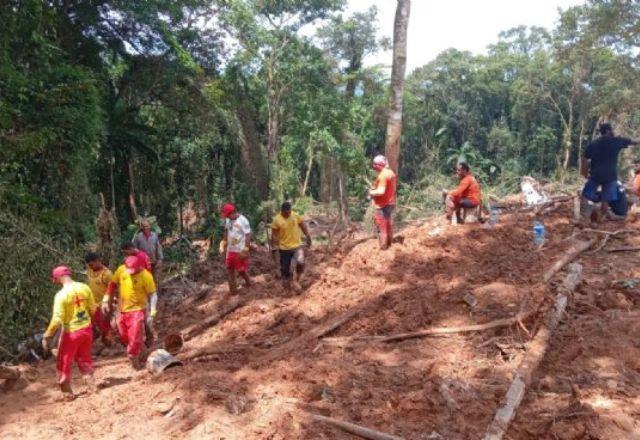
point(112, 110)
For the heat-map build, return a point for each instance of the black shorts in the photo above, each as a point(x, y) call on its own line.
point(385, 212)
point(466, 203)
point(286, 258)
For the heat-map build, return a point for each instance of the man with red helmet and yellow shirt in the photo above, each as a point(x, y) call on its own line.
point(137, 301)
point(383, 196)
point(73, 308)
point(98, 278)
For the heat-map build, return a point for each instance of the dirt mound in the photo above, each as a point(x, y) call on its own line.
point(265, 367)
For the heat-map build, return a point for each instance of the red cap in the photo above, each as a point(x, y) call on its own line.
point(60, 271)
point(227, 210)
point(132, 264)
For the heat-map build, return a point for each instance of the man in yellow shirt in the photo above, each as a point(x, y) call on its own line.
point(137, 292)
point(98, 278)
point(73, 309)
point(287, 229)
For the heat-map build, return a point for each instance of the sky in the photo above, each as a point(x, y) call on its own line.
point(437, 25)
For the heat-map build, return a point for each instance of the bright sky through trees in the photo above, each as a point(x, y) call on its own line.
point(463, 24)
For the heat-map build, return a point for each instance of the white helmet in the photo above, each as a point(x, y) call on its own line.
point(380, 160)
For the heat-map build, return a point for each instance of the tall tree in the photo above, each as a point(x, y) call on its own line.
point(394, 124)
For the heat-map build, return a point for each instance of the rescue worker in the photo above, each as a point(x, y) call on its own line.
point(602, 155)
point(383, 196)
point(137, 303)
point(130, 250)
point(465, 196)
point(98, 278)
point(286, 239)
point(236, 243)
point(73, 309)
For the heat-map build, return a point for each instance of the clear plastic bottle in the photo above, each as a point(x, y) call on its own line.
point(539, 234)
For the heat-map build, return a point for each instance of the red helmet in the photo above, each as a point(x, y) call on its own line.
point(227, 210)
point(132, 264)
point(60, 271)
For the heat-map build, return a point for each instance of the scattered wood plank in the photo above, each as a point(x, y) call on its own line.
point(348, 340)
point(536, 350)
point(576, 249)
point(199, 327)
point(354, 429)
point(310, 335)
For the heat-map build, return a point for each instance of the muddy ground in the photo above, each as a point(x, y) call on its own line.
point(264, 375)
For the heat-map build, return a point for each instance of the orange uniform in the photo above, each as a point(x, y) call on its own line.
point(636, 185)
point(467, 189)
point(387, 179)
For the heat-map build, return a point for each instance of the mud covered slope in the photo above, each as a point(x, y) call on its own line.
point(266, 367)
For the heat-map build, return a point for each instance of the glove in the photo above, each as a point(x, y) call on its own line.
point(45, 343)
point(150, 317)
point(223, 247)
point(105, 307)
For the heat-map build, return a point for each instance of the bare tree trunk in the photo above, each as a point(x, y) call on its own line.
point(251, 152)
point(394, 123)
point(566, 140)
point(132, 193)
point(308, 173)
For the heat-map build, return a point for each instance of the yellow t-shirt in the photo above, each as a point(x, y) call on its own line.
point(98, 281)
point(290, 234)
point(73, 307)
point(134, 289)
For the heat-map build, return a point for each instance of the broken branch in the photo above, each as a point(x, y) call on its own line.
point(354, 429)
point(343, 341)
point(575, 250)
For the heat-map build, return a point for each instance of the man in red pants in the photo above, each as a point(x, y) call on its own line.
point(383, 196)
point(98, 277)
point(73, 309)
point(137, 292)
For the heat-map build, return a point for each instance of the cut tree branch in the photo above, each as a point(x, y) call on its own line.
point(571, 254)
point(354, 429)
point(437, 331)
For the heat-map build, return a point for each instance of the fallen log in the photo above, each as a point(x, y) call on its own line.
point(199, 327)
point(571, 254)
point(625, 249)
point(347, 340)
point(315, 333)
point(536, 350)
point(354, 429)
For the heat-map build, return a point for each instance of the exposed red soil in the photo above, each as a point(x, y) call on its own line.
point(438, 387)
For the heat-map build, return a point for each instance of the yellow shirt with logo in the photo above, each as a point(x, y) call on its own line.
point(73, 307)
point(289, 232)
point(134, 289)
point(98, 282)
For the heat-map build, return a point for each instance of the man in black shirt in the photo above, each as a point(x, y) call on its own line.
point(603, 168)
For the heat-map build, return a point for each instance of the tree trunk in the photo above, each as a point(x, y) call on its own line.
point(566, 141)
point(394, 123)
point(132, 193)
point(252, 156)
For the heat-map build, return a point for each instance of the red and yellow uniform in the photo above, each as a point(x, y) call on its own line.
point(98, 282)
point(468, 189)
point(387, 179)
point(134, 292)
point(73, 307)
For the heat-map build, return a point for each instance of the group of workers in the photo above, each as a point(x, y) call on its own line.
point(78, 307)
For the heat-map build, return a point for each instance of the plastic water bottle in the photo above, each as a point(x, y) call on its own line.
point(494, 213)
point(538, 233)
